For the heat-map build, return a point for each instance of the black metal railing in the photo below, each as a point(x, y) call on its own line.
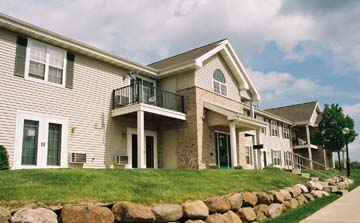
point(139, 92)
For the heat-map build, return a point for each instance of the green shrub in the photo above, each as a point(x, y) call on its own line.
point(271, 167)
point(238, 168)
point(4, 159)
point(213, 167)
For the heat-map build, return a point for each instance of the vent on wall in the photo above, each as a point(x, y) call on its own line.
point(78, 158)
point(121, 160)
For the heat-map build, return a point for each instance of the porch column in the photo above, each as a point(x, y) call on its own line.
point(252, 109)
point(140, 139)
point(234, 157)
point(258, 151)
point(309, 146)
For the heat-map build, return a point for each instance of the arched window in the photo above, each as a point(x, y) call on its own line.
point(219, 82)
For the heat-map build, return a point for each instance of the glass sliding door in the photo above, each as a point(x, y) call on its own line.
point(30, 142)
point(54, 144)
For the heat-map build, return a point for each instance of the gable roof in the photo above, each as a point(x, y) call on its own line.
point(297, 113)
point(184, 57)
point(195, 59)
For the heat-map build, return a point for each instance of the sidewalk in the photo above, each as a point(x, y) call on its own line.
point(343, 210)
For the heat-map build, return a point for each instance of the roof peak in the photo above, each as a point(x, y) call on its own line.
point(199, 47)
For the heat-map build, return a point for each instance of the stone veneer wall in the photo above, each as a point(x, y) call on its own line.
point(196, 139)
point(231, 208)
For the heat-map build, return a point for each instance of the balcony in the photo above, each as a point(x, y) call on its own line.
point(147, 96)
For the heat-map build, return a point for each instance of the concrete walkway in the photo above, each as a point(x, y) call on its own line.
point(344, 210)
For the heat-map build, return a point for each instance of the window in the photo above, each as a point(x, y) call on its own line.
point(274, 128)
point(276, 158)
point(219, 82)
point(286, 131)
point(248, 155)
point(288, 158)
point(46, 63)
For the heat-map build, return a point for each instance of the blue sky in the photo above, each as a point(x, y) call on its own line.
point(294, 50)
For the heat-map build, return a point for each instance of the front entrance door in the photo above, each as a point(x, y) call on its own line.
point(264, 158)
point(150, 148)
point(41, 142)
point(149, 144)
point(222, 142)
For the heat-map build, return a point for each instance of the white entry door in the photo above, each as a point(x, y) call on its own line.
point(41, 141)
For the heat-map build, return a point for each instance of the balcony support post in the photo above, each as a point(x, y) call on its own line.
point(233, 145)
point(141, 139)
point(309, 146)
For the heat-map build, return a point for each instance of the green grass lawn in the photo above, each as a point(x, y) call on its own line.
point(144, 186)
point(298, 214)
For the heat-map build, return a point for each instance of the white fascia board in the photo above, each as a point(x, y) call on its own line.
point(168, 71)
point(54, 38)
point(148, 108)
point(252, 87)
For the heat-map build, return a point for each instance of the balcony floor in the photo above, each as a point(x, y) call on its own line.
point(149, 109)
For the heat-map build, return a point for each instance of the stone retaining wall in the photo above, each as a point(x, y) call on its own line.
point(232, 208)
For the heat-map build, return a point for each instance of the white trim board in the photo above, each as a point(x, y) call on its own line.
point(148, 108)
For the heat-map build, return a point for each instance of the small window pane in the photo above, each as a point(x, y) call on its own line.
point(219, 76)
point(55, 75)
point(56, 58)
point(38, 52)
point(224, 90)
point(216, 87)
point(37, 70)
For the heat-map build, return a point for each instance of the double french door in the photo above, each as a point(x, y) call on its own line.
point(40, 141)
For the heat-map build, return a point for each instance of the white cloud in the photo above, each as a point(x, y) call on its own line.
point(352, 110)
point(275, 86)
point(144, 30)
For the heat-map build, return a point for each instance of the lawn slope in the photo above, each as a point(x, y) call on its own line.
point(144, 186)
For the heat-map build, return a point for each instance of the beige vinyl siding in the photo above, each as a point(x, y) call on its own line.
point(178, 82)
point(204, 77)
point(168, 148)
point(85, 105)
point(275, 142)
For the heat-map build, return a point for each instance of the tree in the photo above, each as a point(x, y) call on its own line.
point(329, 133)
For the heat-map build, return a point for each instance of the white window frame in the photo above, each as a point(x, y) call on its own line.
point(248, 154)
point(274, 128)
point(44, 121)
point(286, 131)
point(220, 84)
point(46, 77)
point(275, 153)
point(288, 158)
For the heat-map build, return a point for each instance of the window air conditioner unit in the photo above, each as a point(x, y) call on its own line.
point(121, 160)
point(77, 157)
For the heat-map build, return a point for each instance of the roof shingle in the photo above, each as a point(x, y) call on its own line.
point(296, 113)
point(184, 57)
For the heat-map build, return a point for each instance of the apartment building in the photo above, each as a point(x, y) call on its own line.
point(67, 104)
